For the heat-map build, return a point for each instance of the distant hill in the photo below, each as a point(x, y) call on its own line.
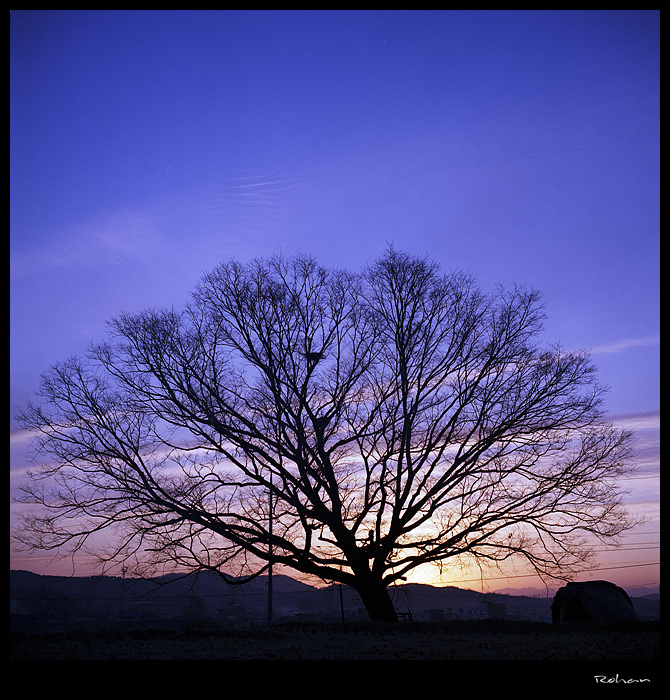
point(38, 600)
point(633, 592)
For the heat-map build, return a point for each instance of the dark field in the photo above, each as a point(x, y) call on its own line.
point(449, 641)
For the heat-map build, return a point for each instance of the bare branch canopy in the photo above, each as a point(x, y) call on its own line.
point(387, 419)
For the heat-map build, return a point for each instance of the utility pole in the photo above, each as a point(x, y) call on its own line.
point(270, 557)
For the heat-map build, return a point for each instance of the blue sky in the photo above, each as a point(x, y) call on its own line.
point(521, 146)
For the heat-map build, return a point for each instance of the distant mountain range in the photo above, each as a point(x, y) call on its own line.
point(37, 601)
point(634, 592)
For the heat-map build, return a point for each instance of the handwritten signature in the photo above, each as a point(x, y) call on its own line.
point(616, 679)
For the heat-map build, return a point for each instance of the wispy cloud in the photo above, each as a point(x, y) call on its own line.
point(650, 420)
point(248, 193)
point(110, 237)
point(626, 344)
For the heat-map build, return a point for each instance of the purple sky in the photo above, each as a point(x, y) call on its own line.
point(521, 146)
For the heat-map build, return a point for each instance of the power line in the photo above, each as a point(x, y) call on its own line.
point(535, 575)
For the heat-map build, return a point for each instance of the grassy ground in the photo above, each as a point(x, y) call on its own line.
point(452, 641)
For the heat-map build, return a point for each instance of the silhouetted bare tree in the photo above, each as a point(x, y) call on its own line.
point(397, 417)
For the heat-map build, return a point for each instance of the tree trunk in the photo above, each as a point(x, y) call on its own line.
point(377, 601)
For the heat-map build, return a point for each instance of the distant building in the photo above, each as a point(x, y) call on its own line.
point(495, 610)
point(436, 616)
point(478, 613)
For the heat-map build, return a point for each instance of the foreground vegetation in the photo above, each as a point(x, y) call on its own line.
point(482, 640)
